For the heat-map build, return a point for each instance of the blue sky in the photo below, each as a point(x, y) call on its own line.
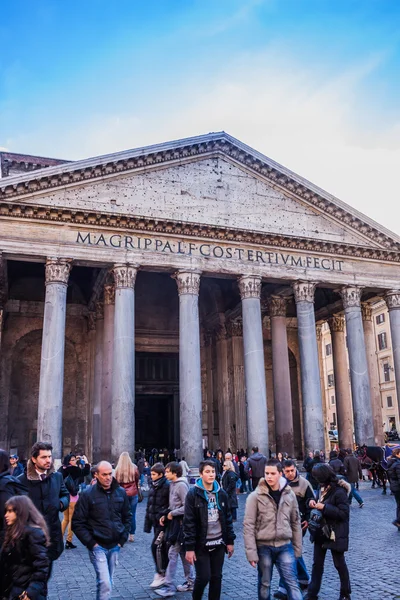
point(314, 84)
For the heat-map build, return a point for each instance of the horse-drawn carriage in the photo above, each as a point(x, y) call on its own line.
point(375, 460)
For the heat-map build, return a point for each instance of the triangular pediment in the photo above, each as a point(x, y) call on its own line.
point(211, 180)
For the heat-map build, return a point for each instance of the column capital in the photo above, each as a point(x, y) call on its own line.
point(99, 310)
point(250, 286)
point(392, 298)
point(109, 294)
point(91, 320)
point(235, 328)
point(351, 296)
point(304, 291)
point(58, 270)
point(366, 310)
point(188, 282)
point(124, 276)
point(337, 323)
point(277, 306)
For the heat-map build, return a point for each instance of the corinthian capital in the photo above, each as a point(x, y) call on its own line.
point(188, 282)
point(235, 328)
point(109, 294)
point(366, 310)
point(304, 291)
point(351, 296)
point(124, 276)
point(392, 298)
point(277, 306)
point(250, 286)
point(99, 310)
point(336, 323)
point(58, 270)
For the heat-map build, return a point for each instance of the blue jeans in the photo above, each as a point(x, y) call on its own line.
point(302, 575)
point(355, 494)
point(283, 557)
point(133, 502)
point(104, 562)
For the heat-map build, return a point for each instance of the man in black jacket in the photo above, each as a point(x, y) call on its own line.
point(157, 507)
point(9, 487)
point(101, 522)
point(257, 462)
point(48, 493)
point(208, 531)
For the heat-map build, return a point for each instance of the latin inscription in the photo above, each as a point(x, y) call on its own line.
point(130, 242)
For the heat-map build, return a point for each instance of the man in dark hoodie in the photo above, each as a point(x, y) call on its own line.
point(157, 507)
point(208, 531)
point(257, 462)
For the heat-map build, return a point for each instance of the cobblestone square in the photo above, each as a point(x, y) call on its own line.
point(372, 559)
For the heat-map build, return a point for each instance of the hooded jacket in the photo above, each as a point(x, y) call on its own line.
point(9, 486)
point(195, 520)
point(304, 492)
point(177, 495)
point(157, 504)
point(337, 514)
point(50, 496)
point(266, 524)
point(102, 517)
point(257, 463)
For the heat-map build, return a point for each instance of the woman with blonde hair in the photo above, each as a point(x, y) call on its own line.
point(228, 482)
point(127, 475)
point(24, 563)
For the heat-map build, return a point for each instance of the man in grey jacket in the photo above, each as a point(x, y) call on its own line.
point(272, 532)
point(178, 489)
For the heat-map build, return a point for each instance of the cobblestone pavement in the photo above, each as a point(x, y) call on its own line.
point(373, 561)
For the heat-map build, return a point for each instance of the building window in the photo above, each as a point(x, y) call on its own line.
point(386, 372)
point(382, 341)
point(380, 318)
point(389, 401)
point(328, 349)
point(331, 381)
point(332, 399)
point(334, 419)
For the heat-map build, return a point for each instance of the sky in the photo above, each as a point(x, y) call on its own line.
point(313, 84)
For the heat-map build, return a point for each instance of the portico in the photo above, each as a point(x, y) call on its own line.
point(212, 264)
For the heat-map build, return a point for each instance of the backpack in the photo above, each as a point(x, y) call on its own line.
point(71, 485)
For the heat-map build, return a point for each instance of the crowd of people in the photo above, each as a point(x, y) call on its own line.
point(191, 522)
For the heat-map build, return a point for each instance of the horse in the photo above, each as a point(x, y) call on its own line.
point(373, 458)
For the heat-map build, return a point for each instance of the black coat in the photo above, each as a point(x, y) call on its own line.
point(25, 566)
point(78, 474)
point(229, 479)
point(394, 475)
point(102, 517)
point(195, 520)
point(50, 496)
point(157, 504)
point(337, 515)
point(337, 466)
point(9, 487)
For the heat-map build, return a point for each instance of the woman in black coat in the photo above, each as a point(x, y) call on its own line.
point(333, 535)
point(229, 480)
point(24, 563)
point(394, 477)
point(9, 487)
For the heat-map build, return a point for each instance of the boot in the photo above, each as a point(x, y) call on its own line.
point(70, 546)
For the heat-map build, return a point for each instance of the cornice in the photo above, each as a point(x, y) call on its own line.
point(218, 144)
point(149, 225)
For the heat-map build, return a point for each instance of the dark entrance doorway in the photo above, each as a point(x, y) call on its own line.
point(157, 400)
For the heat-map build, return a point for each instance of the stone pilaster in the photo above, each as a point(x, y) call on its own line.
point(52, 358)
point(107, 371)
point(224, 412)
point(281, 376)
point(98, 370)
point(188, 283)
point(254, 372)
point(235, 331)
point(318, 329)
point(359, 377)
point(392, 298)
point(373, 370)
point(208, 341)
point(344, 409)
point(313, 417)
point(123, 377)
point(91, 347)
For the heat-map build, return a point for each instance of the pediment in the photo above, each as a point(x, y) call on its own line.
point(211, 180)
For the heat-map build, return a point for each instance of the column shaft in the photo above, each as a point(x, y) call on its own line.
point(359, 377)
point(373, 370)
point(210, 390)
point(313, 418)
point(52, 359)
point(393, 303)
point(254, 371)
point(98, 370)
point(123, 387)
point(107, 371)
point(322, 384)
point(189, 367)
point(239, 390)
point(344, 409)
point(224, 416)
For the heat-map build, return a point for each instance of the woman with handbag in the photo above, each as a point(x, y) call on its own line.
point(73, 476)
point(331, 516)
point(127, 475)
point(24, 564)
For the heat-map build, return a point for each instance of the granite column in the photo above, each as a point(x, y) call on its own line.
point(238, 386)
point(98, 370)
point(392, 298)
point(50, 410)
point(313, 417)
point(254, 370)
point(107, 371)
point(360, 387)
point(373, 370)
point(224, 415)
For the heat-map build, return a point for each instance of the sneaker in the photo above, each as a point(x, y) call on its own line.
point(131, 537)
point(361, 505)
point(70, 546)
point(185, 587)
point(165, 592)
point(158, 581)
